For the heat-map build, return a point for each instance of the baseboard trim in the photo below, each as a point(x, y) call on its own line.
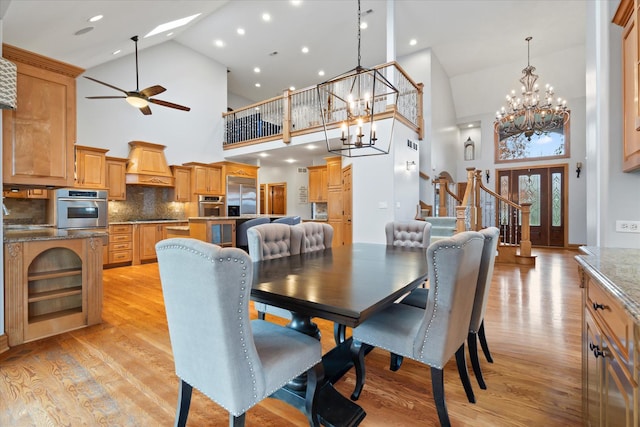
point(4, 343)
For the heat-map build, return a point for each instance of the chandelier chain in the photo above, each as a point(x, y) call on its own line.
point(359, 33)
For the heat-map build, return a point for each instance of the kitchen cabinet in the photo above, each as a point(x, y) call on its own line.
point(334, 172)
point(33, 193)
point(238, 169)
point(51, 286)
point(147, 165)
point(38, 136)
point(335, 211)
point(610, 361)
point(120, 243)
point(116, 169)
point(182, 189)
point(91, 167)
point(145, 237)
point(218, 232)
point(206, 179)
point(318, 184)
point(626, 16)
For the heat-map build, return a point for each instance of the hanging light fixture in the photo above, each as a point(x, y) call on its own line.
point(349, 103)
point(529, 114)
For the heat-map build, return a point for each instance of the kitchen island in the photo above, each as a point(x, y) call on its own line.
point(52, 281)
point(611, 335)
point(220, 230)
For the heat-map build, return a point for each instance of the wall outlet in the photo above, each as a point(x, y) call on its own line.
point(628, 226)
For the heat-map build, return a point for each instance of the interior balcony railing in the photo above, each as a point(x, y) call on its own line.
point(482, 207)
point(298, 112)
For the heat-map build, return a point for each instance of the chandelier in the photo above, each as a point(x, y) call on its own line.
point(530, 114)
point(348, 105)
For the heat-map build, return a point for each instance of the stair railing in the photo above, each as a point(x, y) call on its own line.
point(447, 200)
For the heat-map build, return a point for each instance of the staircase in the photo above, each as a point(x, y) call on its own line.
point(441, 226)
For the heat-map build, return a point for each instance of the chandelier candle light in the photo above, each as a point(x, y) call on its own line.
point(351, 101)
point(530, 114)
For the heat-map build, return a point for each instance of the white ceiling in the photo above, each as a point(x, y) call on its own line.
point(466, 35)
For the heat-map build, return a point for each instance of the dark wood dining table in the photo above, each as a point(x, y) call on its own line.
point(346, 285)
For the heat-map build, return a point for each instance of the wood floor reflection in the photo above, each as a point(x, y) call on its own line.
point(120, 373)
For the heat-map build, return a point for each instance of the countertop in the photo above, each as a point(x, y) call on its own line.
point(144, 221)
point(618, 270)
point(226, 218)
point(29, 233)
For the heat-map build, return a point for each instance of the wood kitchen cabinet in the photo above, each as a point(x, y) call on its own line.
point(116, 169)
point(627, 17)
point(318, 184)
point(38, 136)
point(219, 232)
point(182, 189)
point(145, 237)
point(91, 165)
point(32, 193)
point(206, 179)
point(334, 172)
point(335, 198)
point(120, 248)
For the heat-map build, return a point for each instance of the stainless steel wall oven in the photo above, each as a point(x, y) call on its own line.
point(78, 208)
point(210, 205)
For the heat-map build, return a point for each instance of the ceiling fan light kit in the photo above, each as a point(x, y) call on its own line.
point(139, 98)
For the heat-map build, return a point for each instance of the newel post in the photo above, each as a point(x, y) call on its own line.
point(525, 241)
point(286, 119)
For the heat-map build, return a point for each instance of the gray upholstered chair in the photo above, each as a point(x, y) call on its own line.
point(432, 335)
point(408, 233)
point(418, 298)
point(217, 349)
point(241, 230)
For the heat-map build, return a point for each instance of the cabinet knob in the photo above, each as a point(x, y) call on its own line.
point(597, 306)
point(592, 346)
point(599, 353)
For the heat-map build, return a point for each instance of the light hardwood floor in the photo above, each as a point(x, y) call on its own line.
point(120, 373)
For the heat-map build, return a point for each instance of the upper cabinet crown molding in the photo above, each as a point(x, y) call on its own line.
point(13, 53)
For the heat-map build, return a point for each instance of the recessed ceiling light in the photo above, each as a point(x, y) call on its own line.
point(257, 84)
point(116, 52)
point(470, 125)
point(266, 17)
point(263, 155)
point(96, 18)
point(413, 42)
point(292, 88)
point(167, 26)
point(82, 31)
point(219, 43)
point(291, 160)
point(364, 25)
point(169, 34)
point(305, 49)
point(256, 70)
point(240, 31)
point(321, 73)
point(311, 147)
point(296, 2)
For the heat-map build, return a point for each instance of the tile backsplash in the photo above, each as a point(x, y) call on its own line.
point(146, 203)
point(25, 211)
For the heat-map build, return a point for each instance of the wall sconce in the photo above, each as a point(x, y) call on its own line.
point(578, 169)
point(487, 175)
point(411, 165)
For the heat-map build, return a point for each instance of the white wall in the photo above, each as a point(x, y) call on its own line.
point(295, 180)
point(191, 79)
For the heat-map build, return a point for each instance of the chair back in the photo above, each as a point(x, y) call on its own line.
point(268, 241)
point(491, 238)
point(241, 230)
point(206, 292)
point(408, 233)
point(284, 220)
point(317, 236)
point(454, 263)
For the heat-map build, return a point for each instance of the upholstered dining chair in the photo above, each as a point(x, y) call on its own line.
point(432, 335)
point(217, 349)
point(317, 236)
point(408, 233)
point(241, 230)
point(418, 298)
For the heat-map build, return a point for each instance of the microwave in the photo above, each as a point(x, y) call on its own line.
point(77, 208)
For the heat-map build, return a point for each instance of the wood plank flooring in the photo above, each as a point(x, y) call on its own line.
point(120, 373)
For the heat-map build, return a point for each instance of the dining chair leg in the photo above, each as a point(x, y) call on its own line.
point(339, 333)
point(483, 343)
point(236, 421)
point(184, 402)
point(395, 362)
point(314, 378)
point(461, 361)
point(261, 315)
point(357, 355)
point(472, 341)
point(437, 383)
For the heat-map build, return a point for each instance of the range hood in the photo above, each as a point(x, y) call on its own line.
point(147, 165)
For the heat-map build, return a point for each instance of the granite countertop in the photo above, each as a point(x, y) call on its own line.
point(226, 218)
point(142, 221)
point(178, 227)
point(28, 233)
point(618, 270)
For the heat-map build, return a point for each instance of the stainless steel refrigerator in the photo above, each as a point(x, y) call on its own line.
point(241, 196)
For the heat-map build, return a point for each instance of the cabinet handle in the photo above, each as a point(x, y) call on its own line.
point(599, 353)
point(592, 346)
point(597, 306)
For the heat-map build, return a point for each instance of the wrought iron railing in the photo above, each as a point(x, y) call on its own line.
point(298, 112)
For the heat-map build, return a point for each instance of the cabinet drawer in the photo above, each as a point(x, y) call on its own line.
point(120, 256)
point(612, 317)
point(123, 228)
point(119, 237)
point(119, 246)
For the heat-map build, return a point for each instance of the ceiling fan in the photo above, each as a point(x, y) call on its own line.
point(139, 98)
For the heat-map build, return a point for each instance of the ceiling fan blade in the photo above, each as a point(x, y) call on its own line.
point(169, 104)
point(106, 97)
point(106, 84)
point(145, 110)
point(152, 90)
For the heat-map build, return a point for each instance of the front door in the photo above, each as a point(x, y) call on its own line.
point(544, 188)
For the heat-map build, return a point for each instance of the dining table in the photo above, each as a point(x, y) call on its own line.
point(344, 284)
